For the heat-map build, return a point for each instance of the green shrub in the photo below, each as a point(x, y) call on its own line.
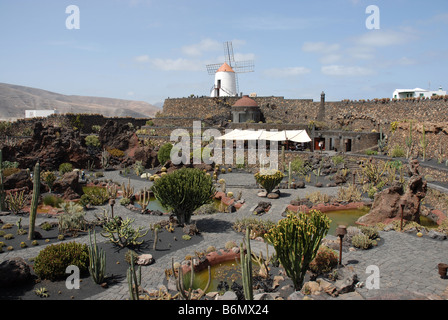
point(397, 152)
point(65, 167)
point(72, 219)
point(257, 227)
point(52, 261)
point(299, 166)
point(48, 177)
point(164, 153)
point(93, 141)
point(184, 191)
point(362, 241)
point(371, 152)
point(9, 164)
point(371, 232)
point(97, 196)
point(269, 179)
point(326, 259)
point(296, 240)
point(337, 160)
point(52, 200)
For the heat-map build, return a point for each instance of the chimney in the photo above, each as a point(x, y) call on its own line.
point(321, 114)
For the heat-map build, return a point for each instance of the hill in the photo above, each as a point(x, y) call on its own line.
point(15, 99)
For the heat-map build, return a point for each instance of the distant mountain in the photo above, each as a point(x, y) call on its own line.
point(14, 100)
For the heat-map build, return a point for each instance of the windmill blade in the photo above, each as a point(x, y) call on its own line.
point(228, 53)
point(244, 66)
point(212, 68)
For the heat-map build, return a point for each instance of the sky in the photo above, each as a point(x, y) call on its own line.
point(149, 50)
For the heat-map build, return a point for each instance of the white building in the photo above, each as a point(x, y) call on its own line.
point(417, 93)
point(39, 113)
point(225, 82)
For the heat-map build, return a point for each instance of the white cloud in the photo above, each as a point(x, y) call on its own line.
point(349, 71)
point(286, 72)
point(320, 47)
point(142, 58)
point(330, 53)
point(179, 64)
point(199, 48)
point(382, 38)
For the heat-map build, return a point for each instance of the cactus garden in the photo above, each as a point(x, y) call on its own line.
point(136, 226)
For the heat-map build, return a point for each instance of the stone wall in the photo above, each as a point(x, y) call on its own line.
point(362, 115)
point(86, 120)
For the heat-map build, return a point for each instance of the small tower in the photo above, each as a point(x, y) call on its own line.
point(225, 82)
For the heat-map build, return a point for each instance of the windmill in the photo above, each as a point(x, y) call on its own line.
point(227, 82)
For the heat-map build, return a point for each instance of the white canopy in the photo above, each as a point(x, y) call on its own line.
point(285, 135)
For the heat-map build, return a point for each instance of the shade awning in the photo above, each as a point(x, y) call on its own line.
point(285, 135)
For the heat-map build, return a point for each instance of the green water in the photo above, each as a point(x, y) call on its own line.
point(345, 217)
point(229, 271)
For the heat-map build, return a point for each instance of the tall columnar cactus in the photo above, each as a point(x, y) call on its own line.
point(97, 257)
point(289, 175)
point(2, 191)
point(381, 141)
point(134, 278)
point(246, 267)
point(296, 240)
point(423, 143)
point(34, 201)
point(409, 141)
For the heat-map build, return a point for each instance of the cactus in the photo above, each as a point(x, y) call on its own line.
point(2, 191)
point(34, 201)
point(381, 141)
point(97, 257)
point(180, 283)
point(289, 175)
point(156, 238)
point(127, 191)
point(105, 158)
point(283, 158)
point(409, 142)
point(143, 200)
point(423, 143)
point(134, 278)
point(246, 267)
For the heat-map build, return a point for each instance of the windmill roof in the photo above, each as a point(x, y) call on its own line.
point(225, 68)
point(245, 101)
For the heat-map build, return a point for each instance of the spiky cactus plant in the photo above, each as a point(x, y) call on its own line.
point(246, 267)
point(296, 240)
point(134, 278)
point(183, 191)
point(97, 257)
point(423, 142)
point(34, 201)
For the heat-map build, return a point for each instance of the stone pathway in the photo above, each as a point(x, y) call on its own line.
point(407, 264)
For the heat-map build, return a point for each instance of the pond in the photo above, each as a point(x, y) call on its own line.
point(229, 272)
point(349, 217)
point(345, 217)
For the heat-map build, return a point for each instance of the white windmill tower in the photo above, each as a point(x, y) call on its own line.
point(226, 78)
